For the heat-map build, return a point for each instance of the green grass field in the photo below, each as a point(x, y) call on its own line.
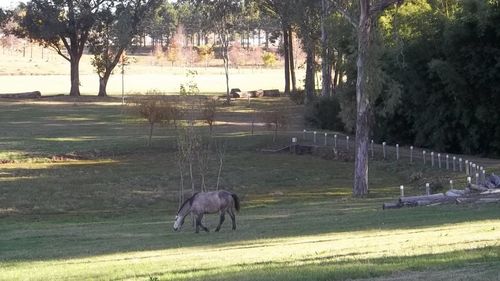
point(109, 216)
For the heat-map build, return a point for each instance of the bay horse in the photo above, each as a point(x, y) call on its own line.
point(202, 203)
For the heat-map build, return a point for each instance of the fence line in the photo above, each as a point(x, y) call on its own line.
point(458, 164)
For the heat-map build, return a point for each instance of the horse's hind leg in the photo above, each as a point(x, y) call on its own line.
point(198, 223)
point(233, 217)
point(222, 217)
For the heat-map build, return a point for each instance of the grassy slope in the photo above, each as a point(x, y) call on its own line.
point(110, 217)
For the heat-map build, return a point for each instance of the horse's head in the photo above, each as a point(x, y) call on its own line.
point(179, 221)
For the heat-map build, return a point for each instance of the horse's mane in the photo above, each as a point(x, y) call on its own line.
point(189, 200)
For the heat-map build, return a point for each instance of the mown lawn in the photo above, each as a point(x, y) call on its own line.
point(110, 216)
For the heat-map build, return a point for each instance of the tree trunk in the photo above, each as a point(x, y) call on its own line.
point(267, 39)
point(337, 73)
point(103, 82)
point(292, 61)
point(360, 187)
point(151, 128)
point(287, 59)
point(75, 77)
point(225, 58)
point(326, 65)
point(309, 87)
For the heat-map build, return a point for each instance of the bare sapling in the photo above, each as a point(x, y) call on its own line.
point(275, 119)
point(209, 112)
point(221, 152)
point(203, 158)
point(181, 160)
point(155, 110)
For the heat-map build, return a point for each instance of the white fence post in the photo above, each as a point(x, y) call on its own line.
point(397, 151)
point(423, 155)
point(411, 154)
point(347, 142)
point(432, 159)
point(373, 155)
point(326, 140)
point(314, 137)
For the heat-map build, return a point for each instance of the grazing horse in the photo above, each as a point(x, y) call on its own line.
point(202, 203)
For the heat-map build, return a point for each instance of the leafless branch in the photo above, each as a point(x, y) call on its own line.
point(336, 7)
point(382, 5)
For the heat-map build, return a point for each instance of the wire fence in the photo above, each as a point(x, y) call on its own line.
point(472, 169)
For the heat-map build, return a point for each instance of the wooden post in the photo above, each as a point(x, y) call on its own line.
point(293, 147)
point(423, 155)
point(397, 151)
point(432, 159)
point(411, 154)
point(427, 189)
point(326, 140)
point(314, 137)
point(439, 160)
point(402, 188)
point(371, 146)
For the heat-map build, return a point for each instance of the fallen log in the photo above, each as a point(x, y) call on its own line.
point(391, 205)
point(455, 193)
point(490, 191)
point(477, 187)
point(24, 95)
point(425, 200)
point(436, 196)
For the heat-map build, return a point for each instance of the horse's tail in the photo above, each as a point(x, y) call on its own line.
point(236, 201)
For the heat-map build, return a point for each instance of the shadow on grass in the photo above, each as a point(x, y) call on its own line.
point(87, 235)
point(331, 268)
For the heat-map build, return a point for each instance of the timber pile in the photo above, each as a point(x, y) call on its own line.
point(487, 192)
point(25, 95)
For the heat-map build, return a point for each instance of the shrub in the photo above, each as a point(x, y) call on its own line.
point(154, 110)
point(324, 113)
point(269, 59)
point(298, 97)
point(275, 119)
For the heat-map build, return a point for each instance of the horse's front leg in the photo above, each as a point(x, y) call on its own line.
point(222, 217)
point(198, 223)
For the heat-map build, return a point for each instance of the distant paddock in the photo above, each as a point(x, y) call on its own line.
point(211, 81)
